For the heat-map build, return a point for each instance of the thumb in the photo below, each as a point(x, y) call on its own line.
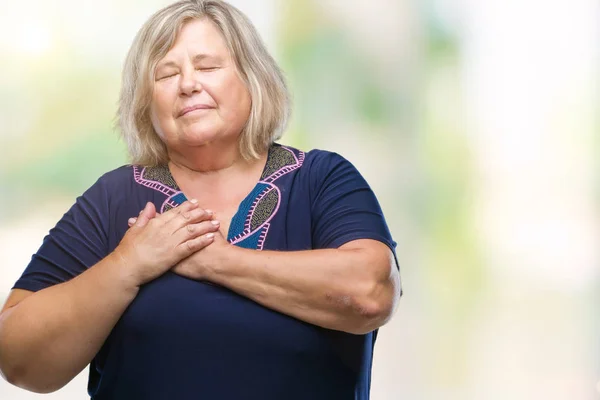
point(146, 215)
point(149, 211)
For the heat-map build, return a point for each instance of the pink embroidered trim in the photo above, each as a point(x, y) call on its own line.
point(263, 236)
point(299, 160)
point(169, 201)
point(288, 168)
point(150, 183)
point(170, 192)
point(256, 201)
point(247, 232)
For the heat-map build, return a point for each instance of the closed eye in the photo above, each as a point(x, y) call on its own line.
point(207, 69)
point(162, 78)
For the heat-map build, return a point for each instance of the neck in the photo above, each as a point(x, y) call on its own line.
point(211, 163)
point(207, 159)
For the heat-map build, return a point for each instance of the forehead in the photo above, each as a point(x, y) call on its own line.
point(198, 36)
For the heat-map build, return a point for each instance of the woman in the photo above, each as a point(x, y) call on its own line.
point(178, 303)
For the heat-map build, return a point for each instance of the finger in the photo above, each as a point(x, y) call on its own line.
point(149, 212)
point(193, 245)
point(189, 217)
point(191, 231)
point(199, 215)
point(143, 219)
point(131, 221)
point(182, 209)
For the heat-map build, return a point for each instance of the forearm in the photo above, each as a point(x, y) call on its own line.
point(334, 289)
point(50, 336)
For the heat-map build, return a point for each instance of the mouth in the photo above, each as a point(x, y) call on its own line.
point(197, 107)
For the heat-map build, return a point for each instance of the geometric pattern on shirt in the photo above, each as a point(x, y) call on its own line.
point(160, 179)
point(250, 225)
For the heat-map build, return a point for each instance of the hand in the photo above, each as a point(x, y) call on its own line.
point(149, 215)
point(203, 264)
point(156, 242)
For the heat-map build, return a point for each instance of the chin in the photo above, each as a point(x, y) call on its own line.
point(199, 137)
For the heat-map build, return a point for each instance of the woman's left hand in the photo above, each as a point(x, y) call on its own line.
point(199, 265)
point(202, 264)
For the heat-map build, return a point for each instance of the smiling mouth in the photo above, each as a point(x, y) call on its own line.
point(194, 109)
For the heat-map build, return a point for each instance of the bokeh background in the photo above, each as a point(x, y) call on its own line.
point(475, 121)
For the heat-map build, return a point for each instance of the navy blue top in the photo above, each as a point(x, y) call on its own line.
point(184, 339)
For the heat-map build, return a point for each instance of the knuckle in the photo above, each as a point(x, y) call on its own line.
point(195, 214)
point(191, 228)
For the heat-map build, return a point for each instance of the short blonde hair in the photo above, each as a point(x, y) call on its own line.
point(270, 109)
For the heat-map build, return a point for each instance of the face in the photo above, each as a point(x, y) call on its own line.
point(198, 96)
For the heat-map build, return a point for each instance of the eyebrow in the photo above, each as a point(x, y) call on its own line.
point(197, 57)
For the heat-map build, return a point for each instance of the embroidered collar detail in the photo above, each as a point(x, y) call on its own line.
point(250, 225)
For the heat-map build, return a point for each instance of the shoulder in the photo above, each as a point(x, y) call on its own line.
point(316, 161)
point(322, 166)
point(116, 181)
point(322, 171)
point(324, 160)
point(120, 175)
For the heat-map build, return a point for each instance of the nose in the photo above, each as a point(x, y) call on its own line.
point(189, 83)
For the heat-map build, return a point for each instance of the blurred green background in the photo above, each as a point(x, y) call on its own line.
point(476, 124)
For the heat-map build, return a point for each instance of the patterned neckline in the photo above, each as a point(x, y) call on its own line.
point(250, 224)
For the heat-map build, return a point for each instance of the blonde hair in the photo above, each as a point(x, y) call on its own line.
point(270, 108)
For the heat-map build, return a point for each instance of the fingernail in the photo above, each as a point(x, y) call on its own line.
point(215, 222)
point(132, 220)
point(194, 201)
point(141, 212)
point(210, 235)
point(209, 212)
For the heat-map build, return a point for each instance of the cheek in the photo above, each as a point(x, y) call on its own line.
point(232, 96)
point(160, 112)
point(162, 101)
point(156, 122)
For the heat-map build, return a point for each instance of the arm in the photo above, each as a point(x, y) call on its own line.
point(354, 289)
point(348, 282)
point(49, 336)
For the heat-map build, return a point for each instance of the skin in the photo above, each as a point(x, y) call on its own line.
point(199, 71)
point(48, 337)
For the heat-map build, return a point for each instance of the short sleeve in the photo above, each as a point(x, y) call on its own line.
point(78, 241)
point(344, 208)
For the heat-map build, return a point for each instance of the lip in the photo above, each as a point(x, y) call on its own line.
point(193, 108)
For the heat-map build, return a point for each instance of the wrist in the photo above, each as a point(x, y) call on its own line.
point(123, 270)
point(230, 257)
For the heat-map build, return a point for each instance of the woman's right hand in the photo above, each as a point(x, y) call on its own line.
point(156, 242)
